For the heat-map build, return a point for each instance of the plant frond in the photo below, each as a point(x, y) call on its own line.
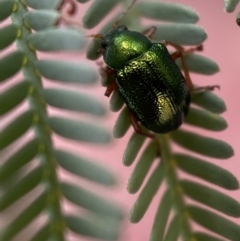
point(66, 71)
point(84, 167)
point(74, 101)
point(181, 29)
point(9, 34)
point(165, 11)
point(11, 64)
point(41, 19)
point(44, 4)
point(230, 6)
point(35, 164)
point(53, 39)
point(206, 171)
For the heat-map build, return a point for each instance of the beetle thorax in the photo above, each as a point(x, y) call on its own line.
point(123, 45)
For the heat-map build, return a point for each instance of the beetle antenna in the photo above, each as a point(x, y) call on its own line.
point(123, 14)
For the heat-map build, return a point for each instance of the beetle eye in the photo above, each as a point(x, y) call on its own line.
point(103, 44)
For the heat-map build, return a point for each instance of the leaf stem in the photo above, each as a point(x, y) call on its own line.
point(173, 185)
point(41, 129)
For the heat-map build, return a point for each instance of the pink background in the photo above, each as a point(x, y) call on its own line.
point(223, 46)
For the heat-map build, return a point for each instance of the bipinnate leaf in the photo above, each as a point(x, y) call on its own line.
point(209, 101)
point(41, 19)
point(205, 237)
point(122, 124)
point(116, 101)
point(66, 71)
point(35, 164)
point(73, 100)
point(215, 223)
point(183, 34)
point(133, 147)
point(203, 145)
point(230, 5)
point(6, 8)
point(42, 233)
point(79, 130)
point(102, 8)
point(206, 120)
point(43, 4)
point(93, 227)
point(84, 167)
point(17, 128)
point(8, 34)
point(19, 91)
point(238, 19)
point(165, 11)
point(161, 218)
point(211, 197)
point(57, 39)
point(11, 64)
point(91, 201)
point(173, 229)
point(142, 168)
point(206, 171)
point(24, 218)
point(146, 195)
point(23, 186)
point(93, 47)
point(199, 64)
point(102, 218)
point(82, 1)
point(19, 159)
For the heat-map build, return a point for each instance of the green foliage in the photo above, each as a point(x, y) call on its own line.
point(35, 164)
point(11, 64)
point(167, 12)
point(204, 115)
point(230, 6)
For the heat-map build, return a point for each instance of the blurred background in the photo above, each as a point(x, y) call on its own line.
point(223, 46)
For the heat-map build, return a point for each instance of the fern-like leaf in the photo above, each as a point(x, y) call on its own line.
point(34, 166)
point(230, 6)
point(183, 31)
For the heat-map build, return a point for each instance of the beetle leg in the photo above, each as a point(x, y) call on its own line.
point(149, 32)
point(208, 87)
point(137, 128)
point(180, 48)
point(110, 88)
point(178, 54)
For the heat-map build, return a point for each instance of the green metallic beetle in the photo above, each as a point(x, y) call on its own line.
point(151, 84)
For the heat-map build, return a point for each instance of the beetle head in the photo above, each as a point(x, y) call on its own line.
point(121, 45)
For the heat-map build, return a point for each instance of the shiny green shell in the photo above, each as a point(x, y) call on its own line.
point(150, 82)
